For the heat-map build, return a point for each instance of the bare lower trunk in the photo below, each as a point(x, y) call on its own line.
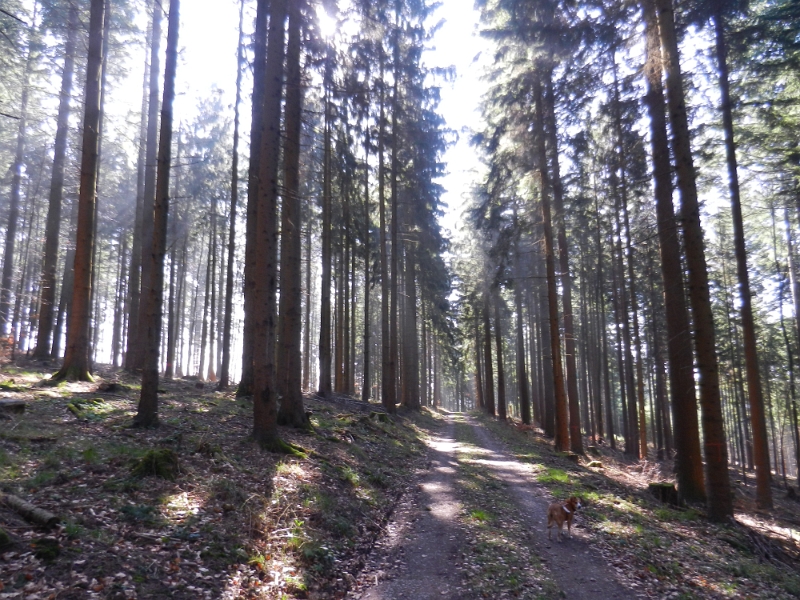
point(502, 411)
point(576, 442)
point(265, 397)
point(754, 392)
point(388, 389)
point(147, 415)
point(688, 459)
point(289, 369)
point(224, 372)
point(253, 186)
point(136, 337)
point(716, 453)
point(410, 344)
point(562, 440)
point(488, 394)
point(324, 387)
point(76, 358)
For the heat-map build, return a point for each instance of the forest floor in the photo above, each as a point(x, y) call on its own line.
point(376, 505)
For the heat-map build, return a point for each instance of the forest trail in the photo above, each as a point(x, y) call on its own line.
point(433, 547)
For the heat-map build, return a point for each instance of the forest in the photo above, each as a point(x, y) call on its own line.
point(237, 327)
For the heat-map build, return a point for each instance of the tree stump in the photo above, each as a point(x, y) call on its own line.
point(665, 492)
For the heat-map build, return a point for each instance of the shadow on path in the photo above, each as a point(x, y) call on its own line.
point(419, 556)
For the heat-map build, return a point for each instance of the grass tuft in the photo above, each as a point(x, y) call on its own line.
point(161, 463)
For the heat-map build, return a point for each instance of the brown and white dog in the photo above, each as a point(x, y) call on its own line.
point(558, 514)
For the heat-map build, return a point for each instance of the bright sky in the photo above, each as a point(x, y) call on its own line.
point(208, 38)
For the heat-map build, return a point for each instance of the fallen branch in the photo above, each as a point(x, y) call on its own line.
point(30, 512)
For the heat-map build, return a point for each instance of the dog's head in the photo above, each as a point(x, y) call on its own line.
point(574, 503)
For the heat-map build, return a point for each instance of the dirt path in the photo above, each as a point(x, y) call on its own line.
point(426, 552)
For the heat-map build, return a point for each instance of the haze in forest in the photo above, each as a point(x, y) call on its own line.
point(589, 229)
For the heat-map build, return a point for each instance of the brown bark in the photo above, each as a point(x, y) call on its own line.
point(410, 342)
point(488, 394)
point(754, 392)
point(688, 460)
point(502, 409)
point(576, 442)
point(147, 415)
point(307, 328)
point(718, 488)
point(265, 397)
point(253, 186)
point(76, 357)
point(522, 372)
point(135, 266)
point(479, 401)
point(324, 388)
point(394, 340)
point(562, 438)
point(633, 439)
point(366, 391)
point(291, 410)
point(134, 358)
point(388, 388)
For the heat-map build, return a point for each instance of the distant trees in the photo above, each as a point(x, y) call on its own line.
point(571, 307)
point(560, 126)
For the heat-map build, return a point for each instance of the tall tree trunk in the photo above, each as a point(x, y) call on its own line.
point(136, 337)
point(576, 442)
point(716, 454)
point(754, 392)
point(688, 460)
point(366, 391)
point(522, 372)
point(201, 371)
point(488, 394)
point(76, 357)
point(388, 388)
point(410, 342)
point(119, 302)
point(169, 371)
point(265, 400)
point(224, 372)
point(147, 415)
point(502, 409)
point(135, 267)
point(291, 410)
point(46, 312)
point(394, 340)
point(212, 285)
point(796, 300)
point(479, 400)
point(67, 282)
point(562, 440)
point(253, 189)
point(307, 327)
point(633, 433)
point(324, 388)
